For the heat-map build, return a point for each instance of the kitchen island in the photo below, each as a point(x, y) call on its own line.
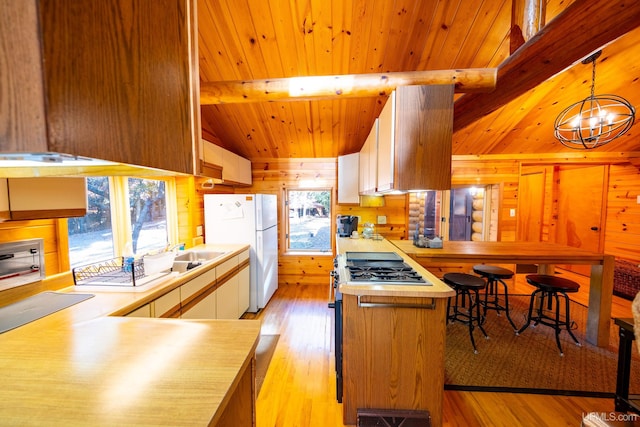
point(545, 256)
point(85, 366)
point(394, 339)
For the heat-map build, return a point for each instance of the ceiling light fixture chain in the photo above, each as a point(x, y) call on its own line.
point(596, 120)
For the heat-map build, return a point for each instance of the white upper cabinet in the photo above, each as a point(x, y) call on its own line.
point(348, 178)
point(42, 198)
point(368, 162)
point(217, 162)
point(386, 140)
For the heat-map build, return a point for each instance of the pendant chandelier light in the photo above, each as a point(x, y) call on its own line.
point(596, 120)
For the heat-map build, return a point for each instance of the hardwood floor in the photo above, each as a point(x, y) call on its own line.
point(299, 388)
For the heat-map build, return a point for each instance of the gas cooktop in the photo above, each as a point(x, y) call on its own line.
point(381, 267)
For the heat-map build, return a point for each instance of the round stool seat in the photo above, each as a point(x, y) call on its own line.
point(492, 271)
point(552, 283)
point(463, 280)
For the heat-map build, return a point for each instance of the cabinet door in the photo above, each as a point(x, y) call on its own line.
point(168, 305)
point(43, 198)
point(423, 137)
point(144, 311)
point(230, 166)
point(211, 159)
point(196, 298)
point(227, 302)
point(368, 166)
point(243, 290)
point(111, 55)
point(348, 178)
point(244, 171)
point(204, 309)
point(386, 142)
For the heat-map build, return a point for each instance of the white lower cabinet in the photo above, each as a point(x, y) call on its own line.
point(197, 297)
point(168, 305)
point(227, 303)
point(204, 309)
point(243, 290)
point(144, 311)
point(219, 293)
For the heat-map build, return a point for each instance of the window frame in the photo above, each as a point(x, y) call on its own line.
point(287, 228)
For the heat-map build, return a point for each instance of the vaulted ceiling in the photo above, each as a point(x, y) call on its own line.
point(260, 40)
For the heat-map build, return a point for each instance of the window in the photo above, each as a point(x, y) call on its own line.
point(309, 220)
point(90, 236)
point(148, 209)
point(121, 211)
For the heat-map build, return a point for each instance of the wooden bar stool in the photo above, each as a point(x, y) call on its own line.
point(495, 275)
point(465, 285)
point(549, 289)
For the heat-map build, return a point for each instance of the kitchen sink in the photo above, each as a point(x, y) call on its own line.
point(194, 258)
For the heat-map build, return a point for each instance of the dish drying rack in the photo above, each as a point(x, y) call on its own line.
point(114, 271)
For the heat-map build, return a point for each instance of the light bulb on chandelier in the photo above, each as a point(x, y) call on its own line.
point(596, 120)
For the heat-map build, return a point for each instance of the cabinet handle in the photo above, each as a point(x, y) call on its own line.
point(365, 304)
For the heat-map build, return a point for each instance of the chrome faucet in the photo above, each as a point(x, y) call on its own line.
point(177, 246)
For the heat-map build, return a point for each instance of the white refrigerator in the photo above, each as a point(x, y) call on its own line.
point(252, 219)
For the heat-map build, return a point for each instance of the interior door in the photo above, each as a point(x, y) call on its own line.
point(530, 204)
point(580, 209)
point(460, 217)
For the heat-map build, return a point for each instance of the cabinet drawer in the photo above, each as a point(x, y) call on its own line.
point(197, 284)
point(243, 256)
point(227, 266)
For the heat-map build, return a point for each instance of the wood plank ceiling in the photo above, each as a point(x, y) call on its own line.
point(270, 39)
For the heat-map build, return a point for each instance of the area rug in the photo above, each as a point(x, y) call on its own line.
point(531, 362)
point(264, 353)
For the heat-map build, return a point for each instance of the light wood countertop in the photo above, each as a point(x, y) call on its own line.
point(437, 289)
point(543, 254)
point(81, 366)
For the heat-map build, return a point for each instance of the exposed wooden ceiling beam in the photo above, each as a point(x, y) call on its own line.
point(585, 26)
point(343, 86)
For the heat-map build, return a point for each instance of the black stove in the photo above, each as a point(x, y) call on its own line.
point(380, 267)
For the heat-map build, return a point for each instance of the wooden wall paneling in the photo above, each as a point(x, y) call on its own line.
point(479, 170)
point(62, 246)
point(190, 210)
point(305, 270)
point(509, 201)
point(56, 255)
point(395, 209)
point(457, 42)
point(531, 202)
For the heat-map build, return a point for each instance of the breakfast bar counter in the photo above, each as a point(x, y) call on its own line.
point(545, 255)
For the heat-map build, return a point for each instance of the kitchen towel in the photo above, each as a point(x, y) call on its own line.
point(35, 307)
